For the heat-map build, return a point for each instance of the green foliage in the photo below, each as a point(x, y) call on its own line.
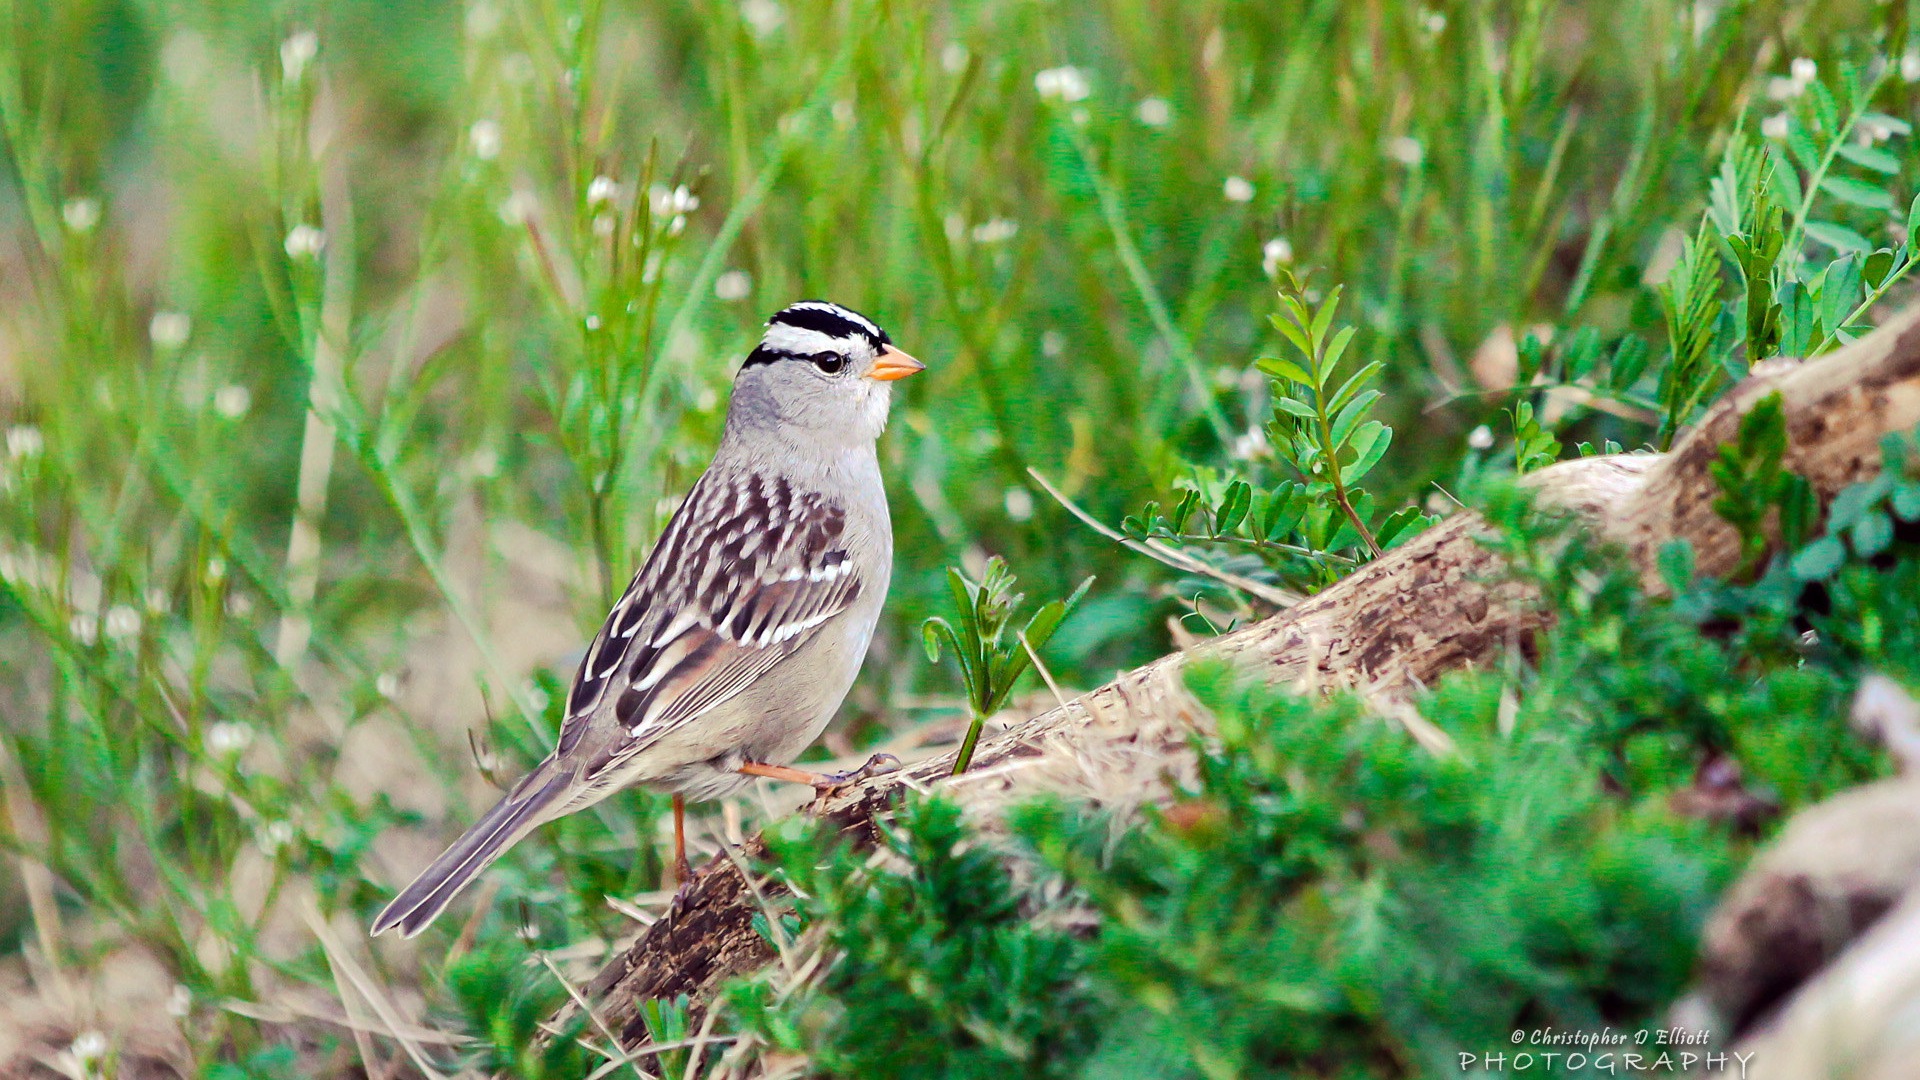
point(1331, 895)
point(1309, 530)
point(938, 962)
point(1326, 434)
point(1754, 483)
point(506, 998)
point(991, 662)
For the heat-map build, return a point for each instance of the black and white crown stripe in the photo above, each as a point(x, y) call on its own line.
point(744, 571)
point(815, 326)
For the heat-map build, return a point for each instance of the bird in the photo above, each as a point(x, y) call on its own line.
point(746, 624)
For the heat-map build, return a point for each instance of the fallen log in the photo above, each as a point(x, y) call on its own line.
point(1433, 605)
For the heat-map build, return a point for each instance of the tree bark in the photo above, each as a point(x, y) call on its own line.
point(1438, 603)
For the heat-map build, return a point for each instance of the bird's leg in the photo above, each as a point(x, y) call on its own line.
point(682, 871)
point(877, 765)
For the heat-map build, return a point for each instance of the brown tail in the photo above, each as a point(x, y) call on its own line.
point(499, 829)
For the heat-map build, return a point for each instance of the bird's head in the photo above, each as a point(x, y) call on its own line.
point(820, 370)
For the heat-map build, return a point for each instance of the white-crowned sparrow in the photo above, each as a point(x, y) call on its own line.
point(745, 627)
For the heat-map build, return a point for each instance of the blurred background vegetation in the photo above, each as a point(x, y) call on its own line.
point(352, 354)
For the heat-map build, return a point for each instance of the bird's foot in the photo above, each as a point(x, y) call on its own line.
point(877, 765)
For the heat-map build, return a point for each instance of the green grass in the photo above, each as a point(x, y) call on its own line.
point(267, 568)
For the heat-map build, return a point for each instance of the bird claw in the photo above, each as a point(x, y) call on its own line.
point(877, 765)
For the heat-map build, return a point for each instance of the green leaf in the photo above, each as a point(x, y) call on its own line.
point(1913, 229)
point(1353, 384)
point(1234, 508)
point(1906, 500)
point(1818, 560)
point(1355, 412)
point(1184, 512)
point(1840, 292)
point(1857, 192)
point(1324, 318)
point(1370, 441)
point(1838, 237)
point(1403, 524)
point(1870, 157)
point(1039, 629)
point(1786, 182)
point(1889, 123)
point(1801, 144)
point(1877, 267)
point(1339, 345)
point(1292, 333)
point(1293, 407)
point(1283, 369)
point(1796, 320)
point(1872, 535)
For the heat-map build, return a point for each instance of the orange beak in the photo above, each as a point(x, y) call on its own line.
point(893, 364)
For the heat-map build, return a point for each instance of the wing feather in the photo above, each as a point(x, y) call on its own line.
point(744, 573)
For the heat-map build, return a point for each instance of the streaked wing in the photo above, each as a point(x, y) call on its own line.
point(744, 572)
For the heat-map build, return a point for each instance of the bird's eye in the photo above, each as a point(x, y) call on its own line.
point(829, 362)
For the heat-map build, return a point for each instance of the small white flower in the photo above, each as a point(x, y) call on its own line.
point(180, 1001)
point(528, 932)
point(677, 225)
point(25, 441)
point(216, 571)
point(518, 207)
point(169, 329)
point(484, 463)
point(233, 401)
point(81, 214)
point(1274, 254)
point(1775, 126)
point(1019, 503)
point(1068, 84)
point(1237, 189)
point(669, 202)
point(1154, 112)
point(953, 58)
point(996, 231)
point(536, 697)
point(228, 738)
point(484, 138)
point(591, 322)
point(273, 837)
point(1803, 70)
point(122, 622)
point(733, 285)
point(603, 189)
point(305, 242)
point(1406, 150)
point(483, 20)
point(603, 225)
point(296, 53)
point(387, 685)
point(1873, 132)
point(1910, 67)
point(89, 1047)
point(1480, 438)
point(84, 628)
point(763, 16)
point(1251, 445)
point(1434, 21)
point(1052, 343)
point(239, 605)
point(157, 602)
point(1781, 88)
